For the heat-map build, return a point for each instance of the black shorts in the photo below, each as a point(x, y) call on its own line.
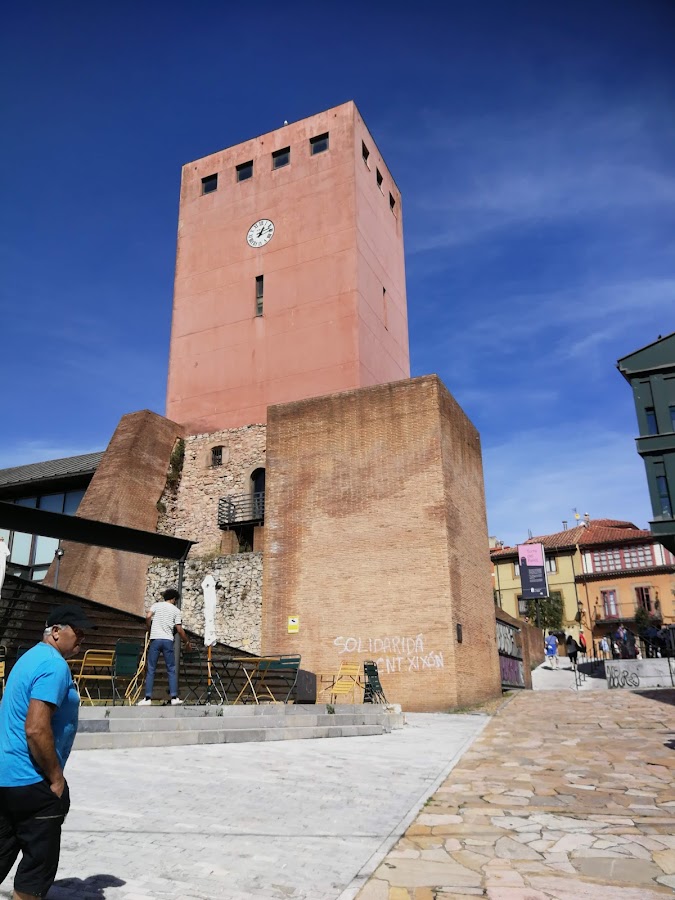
point(30, 823)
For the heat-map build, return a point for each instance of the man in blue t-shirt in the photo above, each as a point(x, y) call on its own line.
point(38, 722)
point(551, 646)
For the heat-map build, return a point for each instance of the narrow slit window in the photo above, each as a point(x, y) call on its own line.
point(281, 158)
point(259, 288)
point(379, 178)
point(216, 456)
point(392, 203)
point(245, 171)
point(384, 308)
point(209, 184)
point(318, 144)
point(365, 152)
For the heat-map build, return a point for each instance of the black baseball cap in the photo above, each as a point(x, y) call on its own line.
point(71, 615)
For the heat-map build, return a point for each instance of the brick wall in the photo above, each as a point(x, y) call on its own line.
point(124, 490)
point(530, 640)
point(375, 537)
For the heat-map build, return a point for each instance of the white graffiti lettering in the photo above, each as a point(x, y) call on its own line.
point(397, 654)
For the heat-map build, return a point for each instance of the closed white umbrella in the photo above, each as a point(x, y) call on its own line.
point(209, 591)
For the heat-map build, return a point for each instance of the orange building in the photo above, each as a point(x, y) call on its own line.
point(290, 275)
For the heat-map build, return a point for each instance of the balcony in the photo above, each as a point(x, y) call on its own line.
point(242, 509)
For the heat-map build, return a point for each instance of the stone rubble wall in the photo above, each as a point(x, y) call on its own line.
point(190, 510)
point(239, 597)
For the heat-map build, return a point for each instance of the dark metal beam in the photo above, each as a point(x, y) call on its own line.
point(90, 531)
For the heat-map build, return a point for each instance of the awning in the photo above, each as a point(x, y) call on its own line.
point(90, 531)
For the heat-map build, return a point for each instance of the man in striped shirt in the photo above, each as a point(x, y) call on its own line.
point(160, 621)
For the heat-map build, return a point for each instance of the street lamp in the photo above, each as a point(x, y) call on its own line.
point(58, 557)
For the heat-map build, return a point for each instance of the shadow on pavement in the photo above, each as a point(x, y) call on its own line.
point(663, 695)
point(92, 888)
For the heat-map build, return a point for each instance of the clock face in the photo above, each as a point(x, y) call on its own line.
point(260, 233)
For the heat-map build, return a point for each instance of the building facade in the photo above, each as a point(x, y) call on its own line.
point(650, 372)
point(290, 274)
point(604, 571)
point(57, 485)
point(320, 483)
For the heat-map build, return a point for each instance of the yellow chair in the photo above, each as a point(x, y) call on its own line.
point(96, 666)
point(344, 683)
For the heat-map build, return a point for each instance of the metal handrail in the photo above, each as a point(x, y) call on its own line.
point(242, 509)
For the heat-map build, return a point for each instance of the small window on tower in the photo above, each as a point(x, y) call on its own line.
point(318, 144)
point(365, 152)
point(259, 287)
point(216, 456)
point(392, 203)
point(281, 158)
point(379, 178)
point(245, 171)
point(209, 184)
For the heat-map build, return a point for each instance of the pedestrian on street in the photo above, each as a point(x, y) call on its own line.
point(604, 647)
point(551, 646)
point(160, 621)
point(572, 650)
point(38, 723)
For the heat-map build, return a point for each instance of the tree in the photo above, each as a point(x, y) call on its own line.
point(550, 616)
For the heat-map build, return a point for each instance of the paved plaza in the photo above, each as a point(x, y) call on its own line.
point(564, 796)
point(294, 820)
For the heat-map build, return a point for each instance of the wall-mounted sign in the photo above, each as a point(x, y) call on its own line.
point(532, 571)
point(293, 624)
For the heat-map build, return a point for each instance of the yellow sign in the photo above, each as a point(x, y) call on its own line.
point(293, 624)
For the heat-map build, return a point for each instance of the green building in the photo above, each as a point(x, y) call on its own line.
point(650, 371)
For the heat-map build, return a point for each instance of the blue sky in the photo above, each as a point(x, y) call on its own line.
point(534, 146)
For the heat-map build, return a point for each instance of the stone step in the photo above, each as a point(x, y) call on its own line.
point(117, 740)
point(160, 711)
point(223, 723)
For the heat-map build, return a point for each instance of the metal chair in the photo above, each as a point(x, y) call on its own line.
point(3, 658)
point(96, 666)
point(372, 692)
point(127, 655)
point(344, 682)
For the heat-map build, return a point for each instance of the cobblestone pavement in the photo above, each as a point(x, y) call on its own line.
point(568, 796)
point(293, 820)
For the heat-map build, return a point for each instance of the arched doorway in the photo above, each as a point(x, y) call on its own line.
point(258, 493)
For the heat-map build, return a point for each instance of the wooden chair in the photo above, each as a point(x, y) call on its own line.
point(97, 666)
point(343, 683)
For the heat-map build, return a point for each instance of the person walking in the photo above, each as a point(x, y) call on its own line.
point(160, 621)
point(572, 649)
point(551, 648)
point(38, 723)
point(604, 647)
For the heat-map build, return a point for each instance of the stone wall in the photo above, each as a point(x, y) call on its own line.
point(238, 599)
point(190, 510)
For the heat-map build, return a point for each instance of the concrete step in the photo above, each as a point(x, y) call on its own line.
point(211, 723)
point(117, 740)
